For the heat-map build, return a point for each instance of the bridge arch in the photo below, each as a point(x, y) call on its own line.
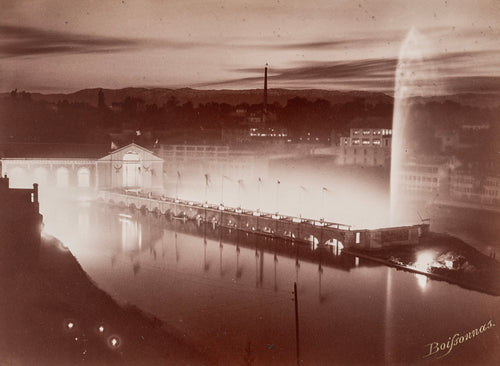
point(336, 245)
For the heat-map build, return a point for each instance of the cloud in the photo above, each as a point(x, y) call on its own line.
point(358, 40)
point(19, 41)
point(451, 72)
point(314, 72)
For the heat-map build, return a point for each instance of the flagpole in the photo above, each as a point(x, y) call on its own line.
point(222, 192)
point(277, 193)
point(258, 189)
point(177, 186)
point(206, 187)
point(323, 202)
point(323, 190)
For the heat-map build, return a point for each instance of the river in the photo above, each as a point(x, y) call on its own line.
point(232, 295)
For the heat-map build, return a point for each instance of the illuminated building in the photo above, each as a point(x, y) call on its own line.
point(430, 177)
point(483, 189)
point(132, 166)
point(365, 147)
point(194, 161)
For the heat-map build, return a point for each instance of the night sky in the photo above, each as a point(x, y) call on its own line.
point(64, 46)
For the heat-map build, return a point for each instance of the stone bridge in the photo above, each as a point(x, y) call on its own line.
point(317, 232)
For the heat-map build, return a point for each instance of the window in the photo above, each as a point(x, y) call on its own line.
point(83, 176)
point(62, 177)
point(366, 142)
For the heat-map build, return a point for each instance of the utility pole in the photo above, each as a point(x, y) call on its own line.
point(296, 322)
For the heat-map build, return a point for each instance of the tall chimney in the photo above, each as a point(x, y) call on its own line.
point(264, 114)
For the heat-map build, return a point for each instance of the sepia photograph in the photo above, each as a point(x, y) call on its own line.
point(234, 182)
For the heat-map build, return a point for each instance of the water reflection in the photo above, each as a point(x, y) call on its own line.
point(347, 304)
point(422, 281)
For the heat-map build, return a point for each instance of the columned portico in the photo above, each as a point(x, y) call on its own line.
point(131, 167)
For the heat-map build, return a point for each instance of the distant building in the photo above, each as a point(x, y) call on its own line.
point(483, 189)
point(193, 162)
point(365, 147)
point(268, 133)
point(429, 178)
point(254, 134)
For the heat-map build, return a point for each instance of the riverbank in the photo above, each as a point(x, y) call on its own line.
point(52, 314)
point(442, 257)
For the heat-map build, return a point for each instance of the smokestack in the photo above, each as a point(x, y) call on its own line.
point(265, 95)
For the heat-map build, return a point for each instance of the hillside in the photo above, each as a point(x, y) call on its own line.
point(159, 96)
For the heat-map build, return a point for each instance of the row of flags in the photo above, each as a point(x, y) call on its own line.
point(241, 182)
point(208, 181)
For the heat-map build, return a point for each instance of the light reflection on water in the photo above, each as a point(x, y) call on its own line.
point(226, 291)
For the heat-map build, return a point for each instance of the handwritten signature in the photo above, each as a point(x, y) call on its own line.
point(443, 349)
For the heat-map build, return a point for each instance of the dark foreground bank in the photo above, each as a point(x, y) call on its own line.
point(52, 314)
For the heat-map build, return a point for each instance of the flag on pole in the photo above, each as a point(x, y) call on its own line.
point(278, 181)
point(113, 146)
point(138, 132)
point(303, 188)
point(260, 180)
point(178, 175)
point(207, 179)
point(325, 189)
point(156, 143)
point(225, 176)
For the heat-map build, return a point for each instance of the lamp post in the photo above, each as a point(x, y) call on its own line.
point(297, 341)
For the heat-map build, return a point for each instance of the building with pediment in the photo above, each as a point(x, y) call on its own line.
point(57, 166)
point(130, 167)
